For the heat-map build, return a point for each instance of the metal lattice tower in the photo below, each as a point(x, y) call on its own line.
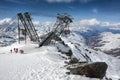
point(62, 22)
point(31, 27)
point(28, 25)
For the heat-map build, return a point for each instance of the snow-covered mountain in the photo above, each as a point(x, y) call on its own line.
point(107, 42)
point(8, 31)
point(47, 63)
point(8, 26)
point(99, 35)
point(105, 39)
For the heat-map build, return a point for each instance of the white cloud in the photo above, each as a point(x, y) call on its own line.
point(105, 24)
point(6, 20)
point(89, 22)
point(115, 24)
point(36, 22)
point(108, 24)
point(59, 1)
point(48, 23)
point(95, 22)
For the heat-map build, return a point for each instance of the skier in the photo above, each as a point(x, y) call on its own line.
point(11, 50)
point(22, 51)
point(16, 50)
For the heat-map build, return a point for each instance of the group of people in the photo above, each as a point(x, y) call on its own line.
point(15, 50)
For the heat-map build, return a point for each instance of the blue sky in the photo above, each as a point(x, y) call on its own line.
point(103, 10)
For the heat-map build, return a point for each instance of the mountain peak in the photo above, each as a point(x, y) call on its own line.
point(5, 20)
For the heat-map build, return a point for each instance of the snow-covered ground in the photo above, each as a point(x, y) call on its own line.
point(36, 64)
point(43, 63)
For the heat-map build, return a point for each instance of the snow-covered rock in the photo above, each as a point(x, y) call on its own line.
point(93, 70)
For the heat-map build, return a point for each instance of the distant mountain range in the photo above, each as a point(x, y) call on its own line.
point(101, 36)
point(8, 31)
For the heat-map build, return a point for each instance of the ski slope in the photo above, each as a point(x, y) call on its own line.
point(43, 63)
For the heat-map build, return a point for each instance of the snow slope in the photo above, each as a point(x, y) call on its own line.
point(43, 63)
point(104, 37)
point(110, 41)
point(107, 42)
point(8, 31)
point(35, 64)
point(84, 53)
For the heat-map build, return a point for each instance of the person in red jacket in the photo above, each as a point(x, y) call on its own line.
point(22, 51)
point(16, 50)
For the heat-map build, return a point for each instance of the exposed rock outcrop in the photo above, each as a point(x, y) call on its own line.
point(93, 70)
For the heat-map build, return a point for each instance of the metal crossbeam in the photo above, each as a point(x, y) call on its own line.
point(28, 25)
point(31, 27)
point(62, 22)
point(21, 18)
